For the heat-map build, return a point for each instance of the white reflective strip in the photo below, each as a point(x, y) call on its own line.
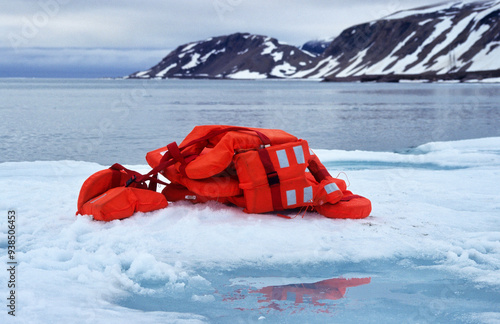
point(331, 187)
point(163, 152)
point(102, 196)
point(291, 197)
point(282, 159)
point(308, 194)
point(299, 154)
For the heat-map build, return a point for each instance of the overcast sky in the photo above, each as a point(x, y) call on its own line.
point(73, 38)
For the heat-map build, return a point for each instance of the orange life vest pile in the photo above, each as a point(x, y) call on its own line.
point(260, 170)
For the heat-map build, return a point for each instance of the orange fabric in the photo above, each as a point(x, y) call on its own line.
point(105, 196)
point(224, 147)
point(228, 167)
point(177, 192)
point(297, 189)
point(122, 202)
point(223, 185)
point(228, 164)
point(322, 196)
point(99, 183)
point(238, 201)
point(357, 207)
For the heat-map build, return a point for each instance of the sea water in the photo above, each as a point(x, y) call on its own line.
point(108, 121)
point(429, 252)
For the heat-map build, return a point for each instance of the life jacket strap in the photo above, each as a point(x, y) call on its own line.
point(168, 158)
point(177, 156)
point(116, 176)
point(135, 177)
point(272, 178)
point(318, 170)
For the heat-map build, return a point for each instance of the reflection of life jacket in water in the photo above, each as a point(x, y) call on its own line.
point(260, 170)
point(331, 289)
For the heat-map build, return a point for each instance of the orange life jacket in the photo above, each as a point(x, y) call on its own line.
point(260, 170)
point(106, 196)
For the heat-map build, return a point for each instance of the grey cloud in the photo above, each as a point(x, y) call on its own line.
point(76, 62)
point(119, 37)
point(156, 23)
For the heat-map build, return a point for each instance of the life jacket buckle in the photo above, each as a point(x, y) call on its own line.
point(130, 181)
point(273, 179)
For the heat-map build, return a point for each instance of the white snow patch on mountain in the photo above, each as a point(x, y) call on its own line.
point(142, 74)
point(164, 71)
point(269, 48)
point(243, 52)
point(283, 70)
point(422, 23)
point(189, 47)
point(246, 74)
point(486, 59)
point(194, 61)
point(277, 56)
point(212, 52)
point(354, 64)
point(322, 68)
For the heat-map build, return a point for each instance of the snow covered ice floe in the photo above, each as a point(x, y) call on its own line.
point(436, 215)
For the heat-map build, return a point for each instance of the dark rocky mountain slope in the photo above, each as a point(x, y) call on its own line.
point(236, 56)
point(451, 41)
point(458, 40)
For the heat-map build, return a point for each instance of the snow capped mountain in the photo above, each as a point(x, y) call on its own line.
point(451, 41)
point(236, 56)
point(455, 40)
